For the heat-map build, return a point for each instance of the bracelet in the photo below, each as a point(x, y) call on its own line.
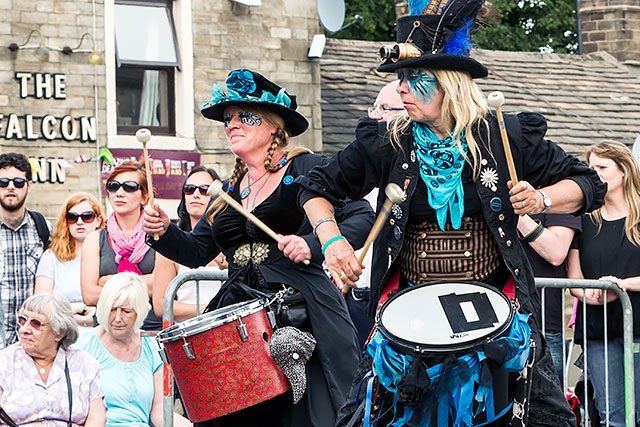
point(534, 234)
point(330, 241)
point(321, 221)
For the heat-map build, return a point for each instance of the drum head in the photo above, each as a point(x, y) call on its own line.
point(439, 317)
point(209, 320)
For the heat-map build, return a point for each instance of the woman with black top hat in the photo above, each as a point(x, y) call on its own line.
point(456, 223)
point(259, 118)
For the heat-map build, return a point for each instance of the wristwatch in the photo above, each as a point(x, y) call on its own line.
point(84, 310)
point(546, 200)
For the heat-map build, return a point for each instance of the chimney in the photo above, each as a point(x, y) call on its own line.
point(612, 26)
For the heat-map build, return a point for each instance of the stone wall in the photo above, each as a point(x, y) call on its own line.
point(612, 27)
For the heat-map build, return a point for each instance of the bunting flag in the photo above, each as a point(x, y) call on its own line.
point(63, 163)
point(82, 158)
point(106, 155)
point(35, 166)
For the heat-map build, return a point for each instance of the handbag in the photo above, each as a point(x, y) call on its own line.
point(288, 304)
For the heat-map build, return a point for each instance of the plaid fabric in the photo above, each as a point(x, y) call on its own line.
point(22, 250)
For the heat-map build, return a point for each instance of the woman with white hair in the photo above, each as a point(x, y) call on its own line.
point(42, 380)
point(133, 392)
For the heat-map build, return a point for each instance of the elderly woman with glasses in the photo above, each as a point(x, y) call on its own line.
point(43, 380)
point(59, 266)
point(120, 246)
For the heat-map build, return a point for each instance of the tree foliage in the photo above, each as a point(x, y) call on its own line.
point(518, 25)
point(531, 25)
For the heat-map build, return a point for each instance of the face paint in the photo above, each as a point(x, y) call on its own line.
point(423, 85)
point(227, 119)
point(250, 119)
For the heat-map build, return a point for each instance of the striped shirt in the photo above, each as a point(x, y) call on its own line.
point(22, 249)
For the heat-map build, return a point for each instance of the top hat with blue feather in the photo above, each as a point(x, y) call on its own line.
point(436, 35)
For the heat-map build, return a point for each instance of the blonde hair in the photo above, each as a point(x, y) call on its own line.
point(63, 245)
point(119, 288)
point(280, 140)
point(463, 100)
point(623, 157)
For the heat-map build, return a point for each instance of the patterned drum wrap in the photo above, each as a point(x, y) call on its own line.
point(224, 373)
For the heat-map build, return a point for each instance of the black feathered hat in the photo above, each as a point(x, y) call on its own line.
point(246, 87)
point(437, 35)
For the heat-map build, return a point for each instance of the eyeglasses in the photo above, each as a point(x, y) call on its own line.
point(87, 216)
point(18, 182)
point(128, 186)
point(375, 108)
point(36, 324)
point(189, 189)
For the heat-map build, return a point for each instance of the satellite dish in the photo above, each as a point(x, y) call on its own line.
point(331, 14)
point(636, 149)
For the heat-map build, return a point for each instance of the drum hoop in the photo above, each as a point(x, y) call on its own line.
point(210, 320)
point(404, 345)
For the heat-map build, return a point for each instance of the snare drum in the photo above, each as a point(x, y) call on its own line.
point(221, 360)
point(440, 322)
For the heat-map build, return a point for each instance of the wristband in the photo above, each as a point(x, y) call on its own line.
point(330, 241)
point(534, 234)
point(321, 221)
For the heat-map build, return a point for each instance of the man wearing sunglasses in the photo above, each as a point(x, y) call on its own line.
point(21, 240)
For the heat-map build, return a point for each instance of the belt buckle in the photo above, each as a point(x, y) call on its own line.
point(256, 252)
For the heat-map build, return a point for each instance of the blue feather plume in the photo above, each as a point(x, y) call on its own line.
point(417, 6)
point(460, 43)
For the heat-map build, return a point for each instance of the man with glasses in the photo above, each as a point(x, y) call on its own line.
point(21, 242)
point(388, 103)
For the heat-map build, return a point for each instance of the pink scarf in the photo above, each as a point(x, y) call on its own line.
point(129, 250)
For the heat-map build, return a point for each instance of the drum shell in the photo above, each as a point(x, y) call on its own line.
point(227, 374)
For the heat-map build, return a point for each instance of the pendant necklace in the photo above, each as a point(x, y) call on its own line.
point(247, 190)
point(42, 370)
point(258, 192)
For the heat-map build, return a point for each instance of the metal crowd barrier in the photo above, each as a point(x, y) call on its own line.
point(167, 320)
point(197, 276)
point(628, 345)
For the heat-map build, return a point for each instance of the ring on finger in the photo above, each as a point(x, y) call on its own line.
point(342, 274)
point(524, 204)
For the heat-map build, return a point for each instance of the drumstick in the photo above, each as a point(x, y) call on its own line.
point(394, 195)
point(144, 135)
point(215, 189)
point(495, 100)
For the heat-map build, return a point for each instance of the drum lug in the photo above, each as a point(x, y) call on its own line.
point(272, 318)
point(163, 355)
point(242, 331)
point(188, 350)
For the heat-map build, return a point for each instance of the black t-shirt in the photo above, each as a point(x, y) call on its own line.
point(542, 268)
point(607, 252)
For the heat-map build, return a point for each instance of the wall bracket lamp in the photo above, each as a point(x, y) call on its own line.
point(95, 56)
point(41, 51)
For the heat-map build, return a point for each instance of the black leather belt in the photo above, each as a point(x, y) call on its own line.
point(360, 294)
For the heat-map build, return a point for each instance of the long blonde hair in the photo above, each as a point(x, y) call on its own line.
point(62, 244)
point(463, 100)
point(625, 160)
point(280, 140)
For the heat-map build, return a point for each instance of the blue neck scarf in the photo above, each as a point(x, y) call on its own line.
point(441, 166)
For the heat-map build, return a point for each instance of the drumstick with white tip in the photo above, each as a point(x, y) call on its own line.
point(215, 189)
point(495, 100)
point(394, 195)
point(144, 135)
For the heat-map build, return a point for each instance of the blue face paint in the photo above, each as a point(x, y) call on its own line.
point(423, 85)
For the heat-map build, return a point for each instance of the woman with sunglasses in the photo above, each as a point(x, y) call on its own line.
point(192, 206)
point(45, 381)
point(59, 267)
point(120, 246)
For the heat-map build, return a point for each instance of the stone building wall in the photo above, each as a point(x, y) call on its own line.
point(272, 39)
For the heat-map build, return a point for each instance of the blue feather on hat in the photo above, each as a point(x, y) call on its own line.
point(417, 6)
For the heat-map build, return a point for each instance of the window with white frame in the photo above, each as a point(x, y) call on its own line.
point(147, 57)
